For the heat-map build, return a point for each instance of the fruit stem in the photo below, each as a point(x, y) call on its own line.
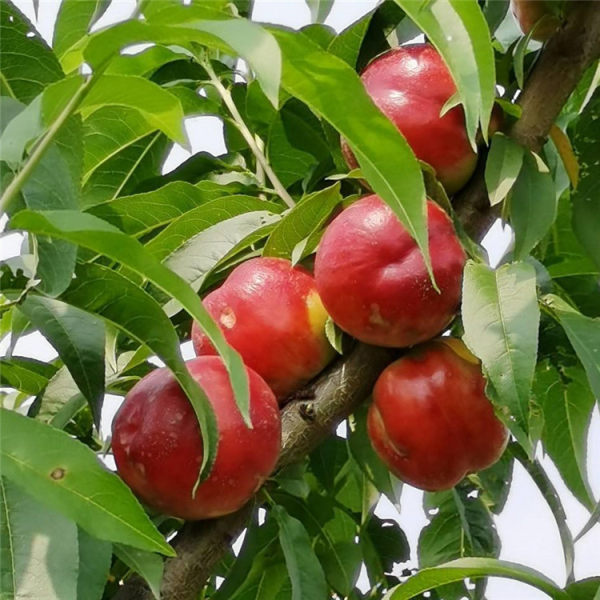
point(247, 135)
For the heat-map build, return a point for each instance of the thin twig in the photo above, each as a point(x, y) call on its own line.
point(247, 135)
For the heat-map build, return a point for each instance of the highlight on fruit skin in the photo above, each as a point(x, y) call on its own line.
point(430, 421)
point(372, 278)
point(271, 313)
point(410, 85)
point(157, 442)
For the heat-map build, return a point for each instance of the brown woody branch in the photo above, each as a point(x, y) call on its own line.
point(200, 546)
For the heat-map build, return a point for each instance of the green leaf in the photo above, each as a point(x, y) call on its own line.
point(91, 232)
point(319, 9)
point(66, 476)
point(20, 130)
point(501, 319)
point(94, 566)
point(141, 213)
point(27, 64)
point(369, 462)
point(586, 198)
point(335, 336)
point(109, 130)
point(124, 172)
point(78, 337)
point(25, 374)
point(584, 589)
point(73, 22)
point(308, 216)
point(584, 335)
point(346, 45)
point(460, 569)
point(383, 543)
point(308, 580)
point(532, 206)
point(199, 255)
point(38, 555)
point(502, 167)
point(199, 219)
point(594, 518)
point(458, 29)
point(567, 406)
point(461, 526)
point(161, 109)
point(325, 83)
point(147, 564)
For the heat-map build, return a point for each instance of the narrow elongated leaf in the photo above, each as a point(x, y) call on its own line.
point(109, 130)
point(325, 82)
point(78, 337)
point(65, 475)
point(460, 569)
point(567, 413)
point(201, 218)
point(347, 43)
point(141, 213)
point(594, 518)
point(38, 555)
point(73, 22)
point(121, 174)
point(458, 29)
point(146, 564)
point(91, 232)
point(198, 256)
point(501, 320)
point(27, 64)
point(160, 108)
point(25, 374)
point(309, 215)
point(532, 206)
point(502, 167)
point(584, 335)
point(584, 589)
point(94, 565)
point(308, 580)
point(112, 296)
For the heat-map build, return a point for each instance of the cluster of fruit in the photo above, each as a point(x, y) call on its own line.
point(430, 420)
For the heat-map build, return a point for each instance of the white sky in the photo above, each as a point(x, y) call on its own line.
point(526, 526)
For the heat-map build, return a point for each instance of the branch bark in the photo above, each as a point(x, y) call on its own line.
point(348, 382)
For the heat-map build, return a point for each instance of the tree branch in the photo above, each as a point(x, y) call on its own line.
point(347, 383)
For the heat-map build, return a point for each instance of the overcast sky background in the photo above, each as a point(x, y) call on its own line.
point(526, 526)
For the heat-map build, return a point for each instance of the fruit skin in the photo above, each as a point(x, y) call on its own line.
point(157, 443)
point(372, 278)
point(529, 12)
point(410, 85)
point(271, 313)
point(430, 421)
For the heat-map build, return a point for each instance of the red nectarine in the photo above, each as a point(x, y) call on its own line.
point(431, 422)
point(158, 446)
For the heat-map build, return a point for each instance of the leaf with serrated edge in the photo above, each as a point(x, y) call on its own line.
point(308, 580)
point(65, 475)
point(501, 319)
point(584, 334)
point(78, 337)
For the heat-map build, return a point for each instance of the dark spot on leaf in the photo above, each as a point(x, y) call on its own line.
point(58, 473)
